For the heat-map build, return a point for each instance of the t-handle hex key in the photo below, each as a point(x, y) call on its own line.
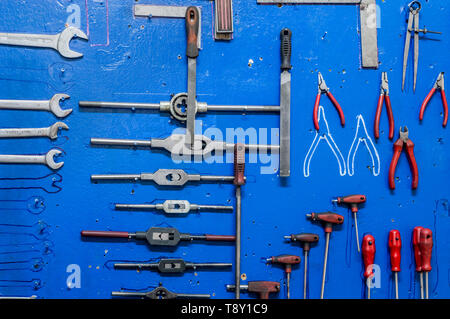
point(170, 265)
point(262, 288)
point(352, 201)
point(287, 261)
point(328, 219)
point(165, 177)
point(157, 236)
point(305, 240)
point(159, 293)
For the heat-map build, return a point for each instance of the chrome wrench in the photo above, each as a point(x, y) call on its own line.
point(51, 105)
point(59, 42)
point(45, 159)
point(51, 132)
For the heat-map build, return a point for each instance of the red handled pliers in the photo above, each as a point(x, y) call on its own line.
point(323, 89)
point(398, 148)
point(438, 85)
point(384, 96)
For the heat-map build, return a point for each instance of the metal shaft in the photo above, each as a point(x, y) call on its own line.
point(288, 279)
point(305, 276)
point(325, 259)
point(120, 105)
point(238, 242)
point(421, 285)
point(121, 142)
point(128, 294)
point(356, 231)
point(426, 285)
point(368, 291)
point(396, 284)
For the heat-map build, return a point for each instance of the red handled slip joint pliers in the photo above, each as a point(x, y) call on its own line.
point(323, 89)
point(438, 85)
point(398, 148)
point(384, 96)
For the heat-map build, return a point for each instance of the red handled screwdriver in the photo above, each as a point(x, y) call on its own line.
point(287, 261)
point(395, 246)
point(426, 246)
point(352, 201)
point(305, 240)
point(417, 255)
point(328, 219)
point(368, 253)
point(239, 180)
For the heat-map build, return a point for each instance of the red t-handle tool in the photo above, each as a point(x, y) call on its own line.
point(239, 180)
point(418, 256)
point(262, 288)
point(395, 246)
point(287, 261)
point(426, 246)
point(368, 253)
point(352, 201)
point(305, 239)
point(328, 219)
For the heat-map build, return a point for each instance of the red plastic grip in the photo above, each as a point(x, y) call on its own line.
point(390, 117)
point(239, 164)
point(368, 252)
point(316, 112)
point(398, 147)
point(376, 126)
point(417, 255)
point(109, 234)
point(286, 260)
point(425, 103)
point(426, 246)
point(395, 246)
point(413, 164)
point(338, 107)
point(220, 237)
point(329, 219)
point(192, 26)
point(263, 288)
point(444, 102)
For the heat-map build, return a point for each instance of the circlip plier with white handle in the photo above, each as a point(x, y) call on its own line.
point(398, 148)
point(438, 85)
point(384, 96)
point(324, 89)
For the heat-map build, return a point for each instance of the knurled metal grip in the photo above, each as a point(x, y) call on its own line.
point(286, 48)
point(239, 164)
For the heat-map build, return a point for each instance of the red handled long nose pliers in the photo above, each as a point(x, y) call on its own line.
point(438, 85)
point(323, 89)
point(398, 148)
point(384, 96)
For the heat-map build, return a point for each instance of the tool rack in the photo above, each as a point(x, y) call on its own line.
point(143, 60)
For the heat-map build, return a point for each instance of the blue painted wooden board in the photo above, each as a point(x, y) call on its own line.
point(142, 60)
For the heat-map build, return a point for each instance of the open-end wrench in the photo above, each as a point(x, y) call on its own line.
point(59, 42)
point(51, 132)
point(45, 159)
point(51, 105)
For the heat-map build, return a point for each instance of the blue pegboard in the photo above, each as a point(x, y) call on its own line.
point(143, 60)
